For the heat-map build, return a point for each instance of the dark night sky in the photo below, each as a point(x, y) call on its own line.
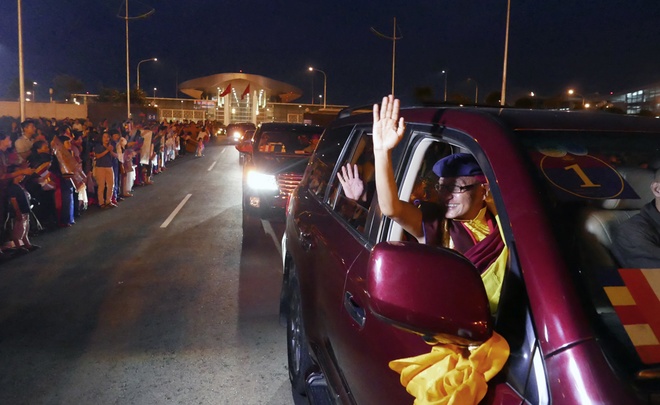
point(593, 46)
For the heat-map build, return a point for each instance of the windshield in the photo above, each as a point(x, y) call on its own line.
point(289, 142)
point(593, 182)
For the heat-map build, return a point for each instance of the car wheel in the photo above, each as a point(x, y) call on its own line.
point(284, 298)
point(300, 361)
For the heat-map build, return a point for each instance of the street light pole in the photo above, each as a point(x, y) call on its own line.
point(128, 74)
point(325, 84)
point(444, 72)
point(506, 54)
point(138, 69)
point(393, 38)
point(21, 79)
point(155, 94)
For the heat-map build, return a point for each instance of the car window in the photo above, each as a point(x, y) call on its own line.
point(354, 211)
point(323, 161)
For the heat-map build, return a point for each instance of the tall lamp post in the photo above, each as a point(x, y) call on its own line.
point(506, 54)
point(325, 84)
point(138, 69)
point(476, 89)
point(393, 38)
point(155, 94)
point(444, 72)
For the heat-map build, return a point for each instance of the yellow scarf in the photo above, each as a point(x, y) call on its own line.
point(452, 375)
point(494, 274)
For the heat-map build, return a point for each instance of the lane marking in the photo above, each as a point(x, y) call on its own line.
point(176, 211)
point(223, 150)
point(269, 231)
point(211, 168)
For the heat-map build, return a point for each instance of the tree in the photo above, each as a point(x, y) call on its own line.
point(108, 95)
point(13, 89)
point(494, 98)
point(423, 94)
point(64, 86)
point(458, 98)
point(524, 102)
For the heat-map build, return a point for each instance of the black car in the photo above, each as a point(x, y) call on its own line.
point(236, 131)
point(280, 152)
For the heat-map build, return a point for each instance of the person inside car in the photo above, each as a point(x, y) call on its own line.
point(637, 243)
point(465, 218)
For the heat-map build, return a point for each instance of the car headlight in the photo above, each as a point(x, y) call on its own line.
point(261, 181)
point(237, 134)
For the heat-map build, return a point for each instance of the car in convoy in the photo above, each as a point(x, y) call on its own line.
point(244, 145)
point(280, 152)
point(357, 293)
point(236, 131)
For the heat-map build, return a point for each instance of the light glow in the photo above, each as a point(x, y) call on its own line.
point(261, 181)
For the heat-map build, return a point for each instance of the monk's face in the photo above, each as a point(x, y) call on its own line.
point(463, 196)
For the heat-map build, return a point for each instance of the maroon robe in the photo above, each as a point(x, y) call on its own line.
point(481, 254)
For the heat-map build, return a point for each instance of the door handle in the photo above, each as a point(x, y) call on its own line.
point(305, 239)
point(354, 309)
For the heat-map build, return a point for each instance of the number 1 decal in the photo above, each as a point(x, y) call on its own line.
point(586, 181)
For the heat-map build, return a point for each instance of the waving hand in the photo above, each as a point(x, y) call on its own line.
point(388, 127)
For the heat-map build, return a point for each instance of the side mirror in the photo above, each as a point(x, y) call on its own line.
point(434, 292)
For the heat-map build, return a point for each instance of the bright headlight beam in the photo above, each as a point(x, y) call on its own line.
point(261, 181)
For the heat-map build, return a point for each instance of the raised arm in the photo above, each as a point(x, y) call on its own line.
point(388, 130)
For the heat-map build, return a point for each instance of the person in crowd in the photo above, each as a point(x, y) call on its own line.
point(464, 219)
point(23, 144)
point(146, 157)
point(103, 173)
point(135, 142)
point(61, 168)
point(41, 185)
point(20, 208)
point(201, 136)
point(159, 150)
point(637, 242)
point(122, 154)
point(15, 131)
point(7, 160)
point(115, 141)
point(129, 172)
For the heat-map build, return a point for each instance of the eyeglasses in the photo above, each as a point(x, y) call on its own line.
point(454, 189)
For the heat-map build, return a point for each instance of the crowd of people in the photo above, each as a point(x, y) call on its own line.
point(52, 171)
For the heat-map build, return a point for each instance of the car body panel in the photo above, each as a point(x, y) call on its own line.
point(560, 360)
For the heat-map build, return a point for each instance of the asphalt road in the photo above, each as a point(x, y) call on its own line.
point(136, 305)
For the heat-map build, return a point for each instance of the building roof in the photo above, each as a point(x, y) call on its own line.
point(239, 81)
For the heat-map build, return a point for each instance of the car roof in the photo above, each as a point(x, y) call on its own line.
point(521, 119)
point(287, 126)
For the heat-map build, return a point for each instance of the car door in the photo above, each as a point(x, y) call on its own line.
point(326, 251)
point(364, 344)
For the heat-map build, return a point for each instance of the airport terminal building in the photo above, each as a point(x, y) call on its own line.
point(239, 97)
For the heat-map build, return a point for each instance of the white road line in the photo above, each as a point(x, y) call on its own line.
point(176, 211)
point(223, 150)
point(269, 231)
point(211, 168)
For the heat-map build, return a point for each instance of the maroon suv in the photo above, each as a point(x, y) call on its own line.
point(357, 293)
